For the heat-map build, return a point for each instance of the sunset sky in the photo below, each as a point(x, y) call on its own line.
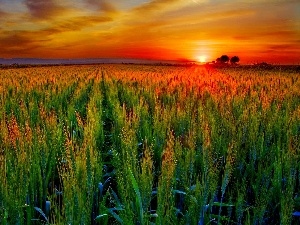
point(255, 30)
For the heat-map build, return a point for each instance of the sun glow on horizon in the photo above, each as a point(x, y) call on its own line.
point(202, 58)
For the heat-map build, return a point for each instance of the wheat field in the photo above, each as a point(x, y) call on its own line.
point(144, 144)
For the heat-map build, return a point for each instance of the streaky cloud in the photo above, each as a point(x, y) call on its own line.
point(155, 5)
point(75, 24)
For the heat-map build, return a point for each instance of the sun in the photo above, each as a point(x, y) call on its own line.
point(202, 58)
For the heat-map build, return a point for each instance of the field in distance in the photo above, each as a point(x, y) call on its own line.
point(144, 144)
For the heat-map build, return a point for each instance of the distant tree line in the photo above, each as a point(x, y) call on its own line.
point(225, 59)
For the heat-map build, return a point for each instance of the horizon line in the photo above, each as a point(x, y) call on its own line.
point(114, 60)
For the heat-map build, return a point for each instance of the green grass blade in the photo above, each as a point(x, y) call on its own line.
point(116, 216)
point(138, 195)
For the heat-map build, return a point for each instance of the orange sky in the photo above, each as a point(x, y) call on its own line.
point(255, 30)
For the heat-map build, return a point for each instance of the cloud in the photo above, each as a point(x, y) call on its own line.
point(75, 24)
point(154, 4)
point(44, 9)
point(25, 42)
point(177, 17)
point(103, 5)
point(20, 38)
point(281, 47)
point(267, 1)
point(158, 6)
point(279, 33)
point(284, 53)
point(19, 42)
point(2, 14)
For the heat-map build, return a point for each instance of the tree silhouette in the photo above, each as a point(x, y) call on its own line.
point(234, 60)
point(218, 60)
point(224, 58)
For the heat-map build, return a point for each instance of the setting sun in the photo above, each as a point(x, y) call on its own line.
point(202, 58)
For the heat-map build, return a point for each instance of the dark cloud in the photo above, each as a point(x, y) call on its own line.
point(241, 38)
point(25, 42)
point(279, 33)
point(103, 5)
point(282, 50)
point(3, 15)
point(269, 34)
point(13, 39)
point(19, 42)
point(44, 9)
point(281, 47)
point(17, 38)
